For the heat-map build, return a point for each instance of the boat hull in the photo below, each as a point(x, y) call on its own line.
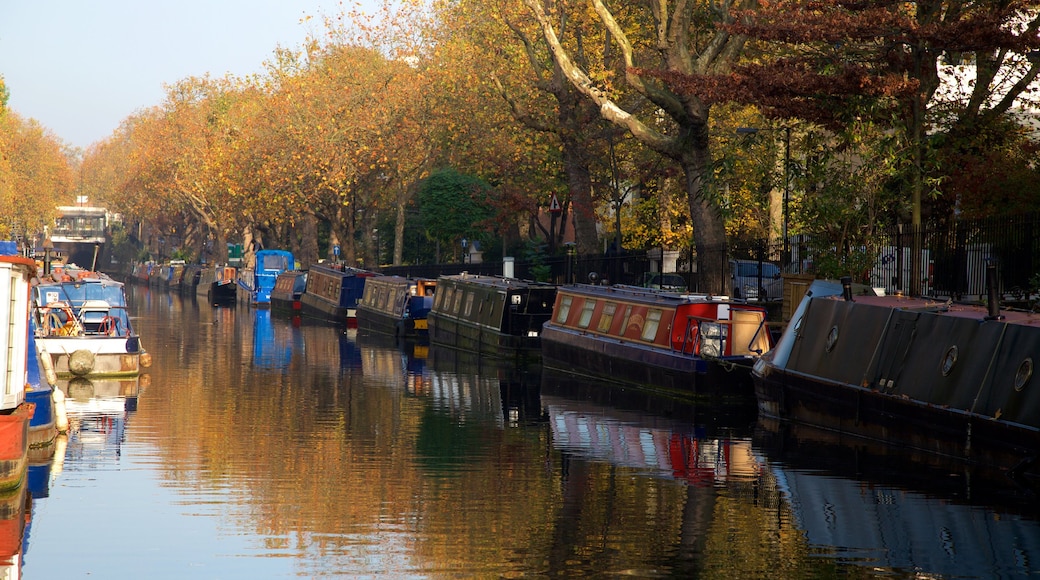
point(14, 446)
point(869, 414)
point(396, 306)
point(105, 357)
point(938, 378)
point(649, 368)
point(487, 315)
point(332, 294)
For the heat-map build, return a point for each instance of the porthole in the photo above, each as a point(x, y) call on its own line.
point(949, 360)
point(1025, 372)
point(832, 338)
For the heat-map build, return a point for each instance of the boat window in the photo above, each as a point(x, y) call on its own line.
point(497, 308)
point(607, 316)
point(275, 262)
point(624, 320)
point(586, 313)
point(469, 304)
point(564, 310)
point(457, 306)
point(653, 320)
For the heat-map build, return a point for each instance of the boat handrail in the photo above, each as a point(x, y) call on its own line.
point(727, 322)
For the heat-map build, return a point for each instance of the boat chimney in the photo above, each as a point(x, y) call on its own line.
point(846, 288)
point(991, 289)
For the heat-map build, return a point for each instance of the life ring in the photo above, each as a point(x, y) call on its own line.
point(109, 325)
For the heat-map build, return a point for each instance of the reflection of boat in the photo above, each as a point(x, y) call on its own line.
point(464, 384)
point(900, 513)
point(332, 294)
point(288, 289)
point(660, 437)
point(396, 306)
point(255, 283)
point(490, 315)
point(272, 342)
point(13, 506)
point(944, 378)
point(82, 327)
point(326, 347)
point(688, 343)
point(97, 424)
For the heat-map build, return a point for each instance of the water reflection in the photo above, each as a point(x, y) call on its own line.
point(901, 511)
point(264, 449)
point(672, 445)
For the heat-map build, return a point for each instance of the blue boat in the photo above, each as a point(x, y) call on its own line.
point(333, 292)
point(396, 306)
point(15, 413)
point(255, 283)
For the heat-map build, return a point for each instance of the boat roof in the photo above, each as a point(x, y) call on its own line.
point(497, 281)
point(652, 295)
point(943, 308)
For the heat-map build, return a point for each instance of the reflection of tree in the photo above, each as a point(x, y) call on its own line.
point(327, 465)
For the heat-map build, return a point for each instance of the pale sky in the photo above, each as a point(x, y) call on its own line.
point(80, 67)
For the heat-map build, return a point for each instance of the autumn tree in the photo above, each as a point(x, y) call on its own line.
point(836, 63)
point(684, 37)
point(35, 175)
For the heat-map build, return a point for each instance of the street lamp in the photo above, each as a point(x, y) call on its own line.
point(465, 253)
point(787, 184)
point(48, 248)
point(375, 231)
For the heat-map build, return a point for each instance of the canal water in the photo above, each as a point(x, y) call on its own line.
point(260, 448)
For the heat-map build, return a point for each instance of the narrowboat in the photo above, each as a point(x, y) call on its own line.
point(490, 315)
point(690, 344)
point(288, 290)
point(82, 328)
point(218, 284)
point(49, 415)
point(332, 294)
point(932, 376)
point(255, 283)
point(15, 413)
point(396, 306)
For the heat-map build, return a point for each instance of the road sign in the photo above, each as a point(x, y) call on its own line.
point(554, 204)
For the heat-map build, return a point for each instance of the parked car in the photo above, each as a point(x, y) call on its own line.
point(752, 283)
point(671, 282)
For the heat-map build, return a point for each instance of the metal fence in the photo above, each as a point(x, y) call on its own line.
point(952, 262)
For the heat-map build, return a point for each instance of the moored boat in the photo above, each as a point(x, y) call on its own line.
point(288, 289)
point(218, 284)
point(690, 344)
point(332, 294)
point(255, 283)
point(933, 376)
point(15, 413)
point(396, 306)
point(82, 328)
point(490, 315)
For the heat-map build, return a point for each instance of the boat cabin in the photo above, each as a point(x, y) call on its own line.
point(683, 323)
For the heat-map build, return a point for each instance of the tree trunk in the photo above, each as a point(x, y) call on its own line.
point(572, 117)
point(709, 229)
point(308, 236)
point(399, 221)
